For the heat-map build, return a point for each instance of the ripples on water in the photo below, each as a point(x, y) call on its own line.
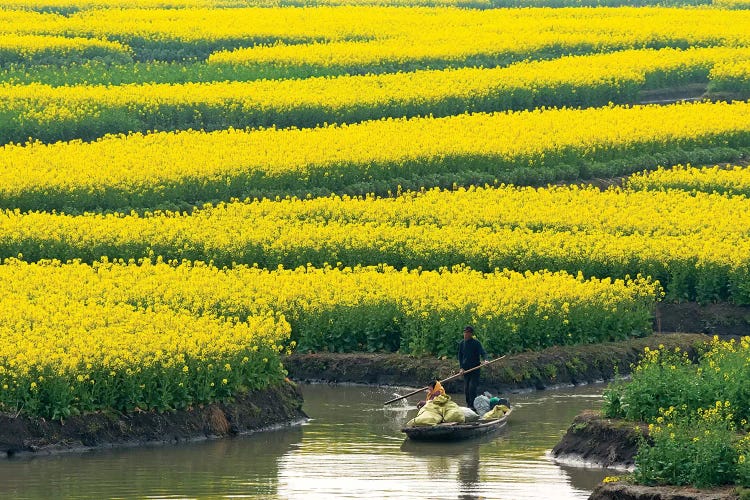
point(352, 448)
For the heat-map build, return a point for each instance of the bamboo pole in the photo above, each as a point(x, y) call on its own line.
point(486, 363)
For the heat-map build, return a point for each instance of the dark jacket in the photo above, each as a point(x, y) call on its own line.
point(469, 352)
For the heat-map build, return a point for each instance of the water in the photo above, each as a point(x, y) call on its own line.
point(352, 448)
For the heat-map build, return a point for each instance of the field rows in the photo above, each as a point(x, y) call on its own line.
point(367, 39)
point(71, 6)
point(716, 179)
point(526, 147)
point(730, 76)
point(88, 112)
point(165, 289)
point(613, 233)
point(158, 336)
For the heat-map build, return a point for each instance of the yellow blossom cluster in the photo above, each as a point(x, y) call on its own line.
point(40, 49)
point(460, 36)
point(122, 172)
point(114, 317)
point(731, 76)
point(357, 38)
point(76, 5)
point(724, 179)
point(78, 111)
point(602, 233)
point(62, 351)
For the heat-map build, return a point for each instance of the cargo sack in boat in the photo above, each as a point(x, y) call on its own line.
point(430, 414)
point(497, 412)
point(481, 404)
point(450, 410)
point(469, 415)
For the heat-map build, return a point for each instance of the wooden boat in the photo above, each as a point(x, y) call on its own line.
point(454, 431)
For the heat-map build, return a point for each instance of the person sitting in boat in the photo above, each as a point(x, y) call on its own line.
point(434, 390)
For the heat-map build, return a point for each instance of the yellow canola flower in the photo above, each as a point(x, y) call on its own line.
point(185, 4)
point(147, 170)
point(730, 76)
point(601, 233)
point(353, 37)
point(589, 79)
point(501, 300)
point(40, 49)
point(114, 355)
point(460, 35)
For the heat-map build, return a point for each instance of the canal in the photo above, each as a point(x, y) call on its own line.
point(351, 448)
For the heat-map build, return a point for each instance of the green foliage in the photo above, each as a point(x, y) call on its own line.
point(695, 411)
point(665, 378)
point(690, 448)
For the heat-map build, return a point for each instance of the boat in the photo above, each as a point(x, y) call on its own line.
point(453, 431)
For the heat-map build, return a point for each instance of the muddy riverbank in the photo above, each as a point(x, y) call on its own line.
point(277, 406)
point(625, 491)
point(602, 442)
point(555, 366)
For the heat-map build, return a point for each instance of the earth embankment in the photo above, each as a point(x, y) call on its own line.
point(246, 413)
point(531, 370)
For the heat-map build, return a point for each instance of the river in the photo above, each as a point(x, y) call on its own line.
point(351, 448)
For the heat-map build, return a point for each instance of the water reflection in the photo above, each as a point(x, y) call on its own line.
point(204, 469)
point(352, 448)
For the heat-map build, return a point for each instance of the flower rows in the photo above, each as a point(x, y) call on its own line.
point(731, 76)
point(62, 352)
point(732, 180)
point(696, 246)
point(363, 39)
point(71, 6)
point(38, 49)
point(88, 112)
point(494, 36)
point(76, 337)
point(174, 169)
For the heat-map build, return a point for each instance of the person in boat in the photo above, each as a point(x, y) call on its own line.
point(470, 351)
point(434, 390)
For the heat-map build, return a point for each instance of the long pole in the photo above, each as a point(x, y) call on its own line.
point(442, 381)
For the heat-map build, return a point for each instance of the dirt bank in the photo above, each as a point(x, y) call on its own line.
point(606, 442)
point(714, 319)
point(600, 441)
point(624, 491)
point(22, 435)
point(532, 370)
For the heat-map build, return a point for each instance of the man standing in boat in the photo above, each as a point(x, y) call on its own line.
point(470, 351)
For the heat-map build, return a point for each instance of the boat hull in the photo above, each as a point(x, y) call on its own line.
point(455, 432)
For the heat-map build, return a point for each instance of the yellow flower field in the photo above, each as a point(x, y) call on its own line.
point(154, 170)
point(168, 290)
point(157, 336)
point(39, 49)
point(613, 233)
point(61, 355)
point(354, 37)
point(730, 181)
point(90, 111)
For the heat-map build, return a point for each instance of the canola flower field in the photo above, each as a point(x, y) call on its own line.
point(617, 233)
point(191, 189)
point(87, 112)
point(730, 181)
point(171, 169)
